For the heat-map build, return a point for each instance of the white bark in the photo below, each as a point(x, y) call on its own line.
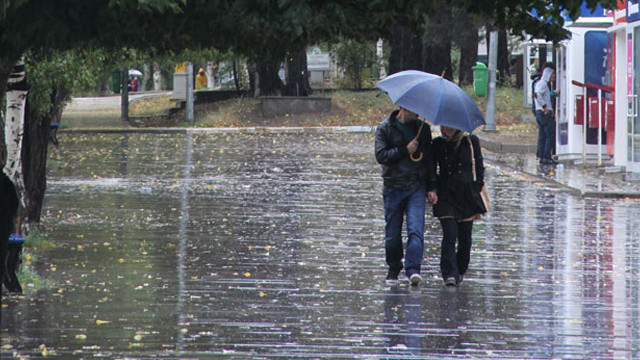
point(157, 77)
point(382, 72)
point(146, 76)
point(14, 127)
point(209, 71)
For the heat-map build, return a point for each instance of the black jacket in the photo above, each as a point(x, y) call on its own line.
point(398, 170)
point(458, 194)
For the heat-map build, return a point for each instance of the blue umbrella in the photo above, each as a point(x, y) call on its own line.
point(433, 97)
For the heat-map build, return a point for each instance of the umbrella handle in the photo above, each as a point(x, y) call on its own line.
point(414, 159)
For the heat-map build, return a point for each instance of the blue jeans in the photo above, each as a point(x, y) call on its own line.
point(546, 134)
point(397, 204)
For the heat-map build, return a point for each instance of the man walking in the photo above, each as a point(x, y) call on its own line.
point(403, 149)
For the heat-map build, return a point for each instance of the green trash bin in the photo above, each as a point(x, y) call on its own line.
point(480, 79)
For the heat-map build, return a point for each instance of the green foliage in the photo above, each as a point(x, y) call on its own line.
point(62, 71)
point(357, 59)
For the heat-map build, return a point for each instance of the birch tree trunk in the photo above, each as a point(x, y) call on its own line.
point(34, 154)
point(157, 76)
point(17, 90)
point(145, 77)
point(209, 71)
point(6, 67)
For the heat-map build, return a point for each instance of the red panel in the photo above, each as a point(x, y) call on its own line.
point(578, 118)
point(610, 114)
point(593, 112)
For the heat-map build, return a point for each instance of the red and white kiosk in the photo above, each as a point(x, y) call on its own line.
point(630, 132)
point(585, 108)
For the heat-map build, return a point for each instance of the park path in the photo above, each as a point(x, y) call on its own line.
point(189, 246)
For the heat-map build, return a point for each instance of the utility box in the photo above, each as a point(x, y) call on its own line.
point(180, 85)
point(480, 79)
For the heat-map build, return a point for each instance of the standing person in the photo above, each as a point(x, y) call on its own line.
point(201, 79)
point(535, 77)
point(458, 201)
point(544, 115)
point(403, 149)
point(134, 84)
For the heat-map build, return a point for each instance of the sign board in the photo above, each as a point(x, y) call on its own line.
point(318, 61)
point(620, 14)
point(633, 10)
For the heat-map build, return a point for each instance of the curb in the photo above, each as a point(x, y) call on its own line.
point(495, 146)
point(242, 130)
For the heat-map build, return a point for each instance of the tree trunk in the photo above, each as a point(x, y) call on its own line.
point(253, 79)
point(468, 59)
point(504, 64)
point(467, 41)
point(157, 76)
point(297, 75)
point(209, 71)
point(146, 77)
point(437, 60)
point(382, 71)
point(236, 79)
point(17, 89)
point(6, 67)
point(406, 50)
point(269, 82)
point(34, 153)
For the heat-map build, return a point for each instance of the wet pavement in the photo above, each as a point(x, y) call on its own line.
point(259, 244)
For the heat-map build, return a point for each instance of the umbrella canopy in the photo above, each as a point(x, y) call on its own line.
point(134, 72)
point(436, 99)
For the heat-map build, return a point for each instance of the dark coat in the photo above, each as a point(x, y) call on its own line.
point(398, 170)
point(458, 194)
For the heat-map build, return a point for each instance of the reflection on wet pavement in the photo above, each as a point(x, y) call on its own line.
point(254, 246)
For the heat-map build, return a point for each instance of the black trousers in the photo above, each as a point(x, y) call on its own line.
point(454, 262)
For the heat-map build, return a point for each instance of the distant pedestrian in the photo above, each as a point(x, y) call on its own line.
point(544, 115)
point(134, 84)
point(403, 149)
point(535, 76)
point(201, 79)
point(458, 201)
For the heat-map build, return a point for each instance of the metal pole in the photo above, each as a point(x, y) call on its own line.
point(490, 114)
point(584, 126)
point(189, 105)
point(124, 94)
point(599, 127)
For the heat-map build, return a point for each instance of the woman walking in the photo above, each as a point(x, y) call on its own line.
point(457, 156)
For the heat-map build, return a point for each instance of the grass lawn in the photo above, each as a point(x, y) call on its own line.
point(348, 108)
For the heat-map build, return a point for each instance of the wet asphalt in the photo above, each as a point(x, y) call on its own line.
point(266, 244)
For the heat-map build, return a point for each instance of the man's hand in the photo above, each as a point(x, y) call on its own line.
point(412, 146)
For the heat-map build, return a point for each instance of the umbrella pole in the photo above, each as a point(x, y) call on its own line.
point(414, 159)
